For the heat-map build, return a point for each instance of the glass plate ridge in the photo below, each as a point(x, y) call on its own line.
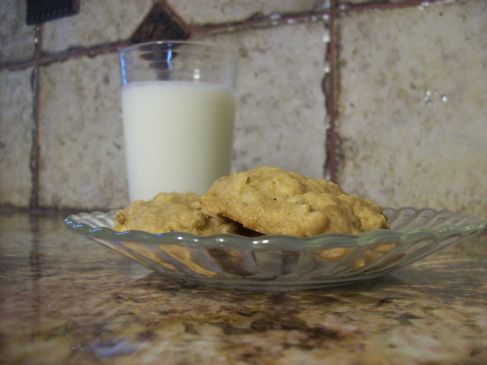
point(274, 262)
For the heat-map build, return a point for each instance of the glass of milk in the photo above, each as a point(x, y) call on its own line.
point(178, 115)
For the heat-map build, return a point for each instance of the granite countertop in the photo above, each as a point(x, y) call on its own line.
point(67, 300)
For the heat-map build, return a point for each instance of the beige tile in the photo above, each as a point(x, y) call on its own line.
point(280, 106)
point(413, 106)
point(15, 137)
point(82, 156)
point(219, 11)
point(16, 38)
point(97, 22)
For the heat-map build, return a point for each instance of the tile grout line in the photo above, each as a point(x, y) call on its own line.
point(45, 59)
point(35, 144)
point(331, 163)
point(347, 7)
point(261, 21)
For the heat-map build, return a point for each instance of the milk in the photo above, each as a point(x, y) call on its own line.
point(178, 136)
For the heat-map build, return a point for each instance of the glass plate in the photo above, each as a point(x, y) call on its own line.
point(282, 262)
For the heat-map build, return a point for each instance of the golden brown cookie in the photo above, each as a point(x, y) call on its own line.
point(270, 200)
point(166, 212)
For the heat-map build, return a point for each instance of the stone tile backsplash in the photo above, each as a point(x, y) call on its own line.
point(411, 98)
point(219, 11)
point(16, 38)
point(97, 22)
point(419, 138)
point(82, 160)
point(280, 120)
point(15, 137)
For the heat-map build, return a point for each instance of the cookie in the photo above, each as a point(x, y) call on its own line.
point(270, 200)
point(167, 212)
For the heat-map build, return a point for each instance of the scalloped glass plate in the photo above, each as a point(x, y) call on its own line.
point(282, 262)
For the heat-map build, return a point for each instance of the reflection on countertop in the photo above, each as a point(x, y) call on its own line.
point(67, 300)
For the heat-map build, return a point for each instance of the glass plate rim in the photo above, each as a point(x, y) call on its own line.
point(473, 225)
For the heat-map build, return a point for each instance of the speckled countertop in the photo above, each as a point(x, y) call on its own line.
point(67, 300)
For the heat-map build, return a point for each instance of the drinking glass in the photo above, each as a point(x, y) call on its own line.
point(178, 109)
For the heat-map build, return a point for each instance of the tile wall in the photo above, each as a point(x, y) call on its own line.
point(388, 98)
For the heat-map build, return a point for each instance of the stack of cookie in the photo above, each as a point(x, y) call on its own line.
point(261, 201)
